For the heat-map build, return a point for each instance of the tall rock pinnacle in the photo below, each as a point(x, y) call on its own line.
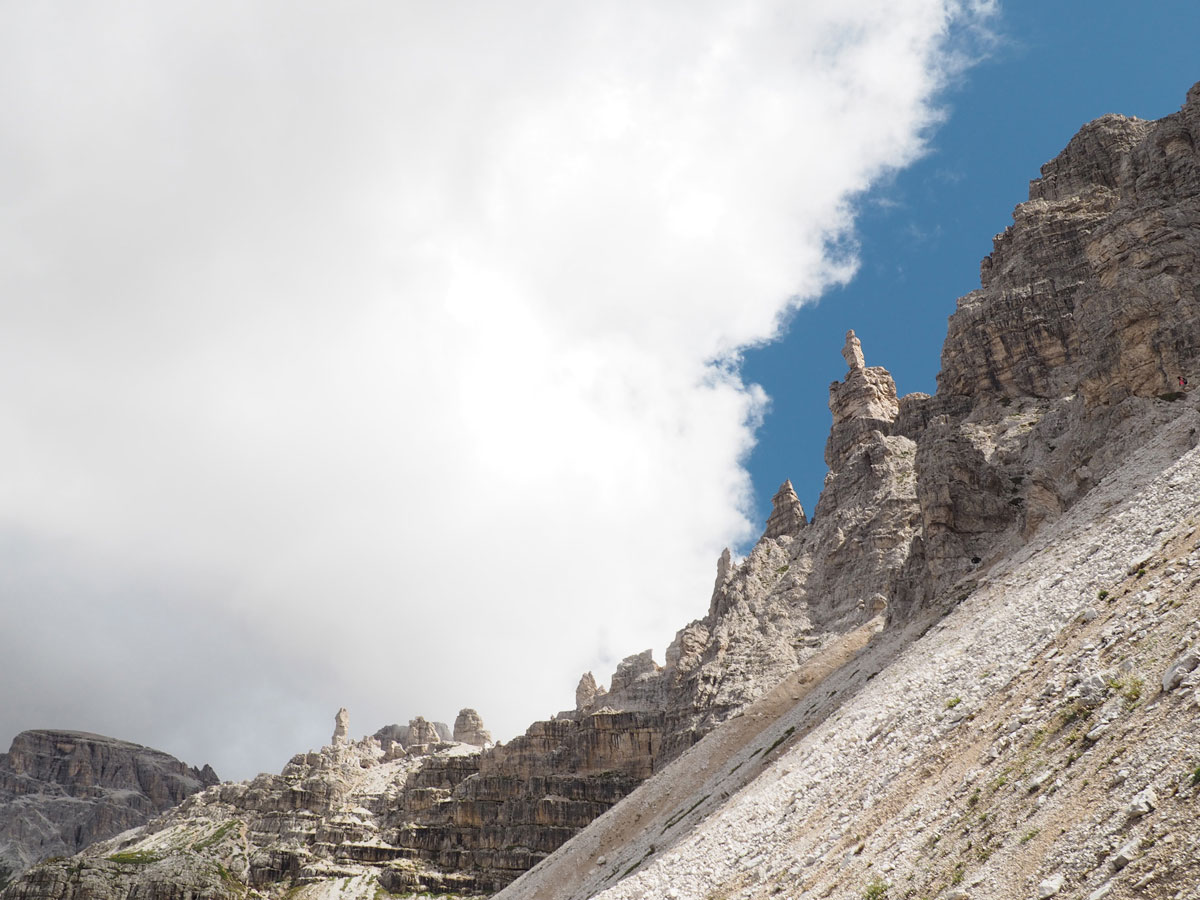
point(341, 728)
point(787, 516)
point(864, 402)
point(852, 352)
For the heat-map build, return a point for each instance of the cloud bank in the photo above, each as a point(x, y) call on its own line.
point(384, 354)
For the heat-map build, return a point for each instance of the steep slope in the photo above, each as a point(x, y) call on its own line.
point(63, 790)
point(1046, 728)
point(1055, 489)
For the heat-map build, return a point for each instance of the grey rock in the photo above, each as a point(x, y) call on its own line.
point(1143, 802)
point(1127, 854)
point(787, 515)
point(421, 732)
point(852, 351)
point(468, 729)
point(586, 692)
point(341, 727)
point(61, 791)
point(1093, 690)
point(1051, 886)
point(1180, 668)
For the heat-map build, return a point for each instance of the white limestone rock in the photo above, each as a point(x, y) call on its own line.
point(468, 729)
point(341, 728)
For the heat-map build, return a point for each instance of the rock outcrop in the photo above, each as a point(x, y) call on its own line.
point(432, 815)
point(787, 515)
point(341, 728)
point(63, 790)
point(468, 729)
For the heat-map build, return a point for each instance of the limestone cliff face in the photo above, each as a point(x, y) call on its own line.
point(429, 815)
point(1064, 360)
point(63, 790)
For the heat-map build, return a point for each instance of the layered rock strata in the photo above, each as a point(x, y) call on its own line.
point(63, 790)
point(432, 815)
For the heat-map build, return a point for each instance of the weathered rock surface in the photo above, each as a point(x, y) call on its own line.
point(63, 790)
point(341, 728)
point(405, 736)
point(436, 816)
point(1004, 503)
point(468, 729)
point(787, 515)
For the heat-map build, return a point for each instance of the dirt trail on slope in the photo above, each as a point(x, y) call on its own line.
point(675, 796)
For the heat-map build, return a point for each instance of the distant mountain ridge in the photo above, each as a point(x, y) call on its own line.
point(63, 790)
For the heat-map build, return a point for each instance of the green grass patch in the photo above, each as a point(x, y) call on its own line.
point(135, 857)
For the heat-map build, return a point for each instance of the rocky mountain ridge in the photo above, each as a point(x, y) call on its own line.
point(917, 660)
point(63, 790)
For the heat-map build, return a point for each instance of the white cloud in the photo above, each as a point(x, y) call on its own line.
point(374, 342)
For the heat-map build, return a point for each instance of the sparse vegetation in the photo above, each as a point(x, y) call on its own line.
point(788, 732)
point(1103, 595)
point(1030, 835)
point(678, 817)
point(645, 856)
point(1196, 776)
point(876, 889)
point(953, 702)
point(1130, 689)
point(1076, 712)
point(135, 857)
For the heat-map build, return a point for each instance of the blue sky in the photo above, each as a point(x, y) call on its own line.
point(923, 234)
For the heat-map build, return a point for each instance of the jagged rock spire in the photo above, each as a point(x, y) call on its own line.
point(341, 728)
point(852, 352)
point(863, 403)
point(787, 515)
